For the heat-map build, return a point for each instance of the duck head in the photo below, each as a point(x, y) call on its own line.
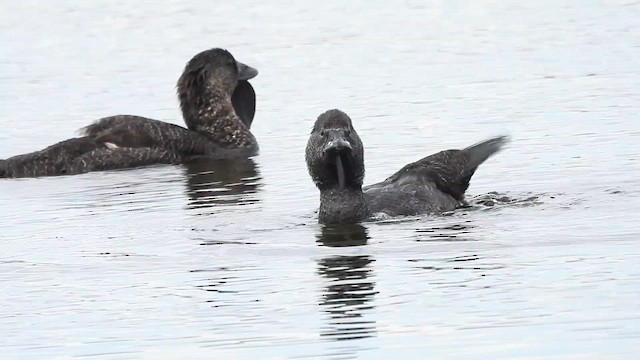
point(215, 75)
point(334, 153)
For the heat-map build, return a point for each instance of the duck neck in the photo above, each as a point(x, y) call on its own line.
point(342, 205)
point(213, 116)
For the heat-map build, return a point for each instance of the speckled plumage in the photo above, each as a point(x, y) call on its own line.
point(80, 155)
point(218, 105)
point(205, 90)
point(433, 184)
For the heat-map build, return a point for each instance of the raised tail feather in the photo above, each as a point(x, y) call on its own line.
point(109, 123)
point(481, 151)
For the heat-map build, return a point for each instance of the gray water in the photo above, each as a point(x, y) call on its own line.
point(226, 260)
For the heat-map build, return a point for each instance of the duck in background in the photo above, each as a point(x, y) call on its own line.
point(218, 106)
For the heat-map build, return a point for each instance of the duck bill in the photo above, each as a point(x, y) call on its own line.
point(246, 72)
point(337, 145)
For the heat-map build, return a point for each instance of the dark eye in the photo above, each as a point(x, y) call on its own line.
point(322, 133)
point(347, 132)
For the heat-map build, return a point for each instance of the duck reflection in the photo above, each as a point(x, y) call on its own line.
point(222, 182)
point(343, 235)
point(347, 298)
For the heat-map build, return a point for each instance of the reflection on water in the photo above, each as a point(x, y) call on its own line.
point(343, 235)
point(347, 298)
point(222, 182)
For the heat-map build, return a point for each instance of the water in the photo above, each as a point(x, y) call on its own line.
point(228, 261)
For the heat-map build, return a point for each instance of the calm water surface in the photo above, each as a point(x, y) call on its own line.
point(226, 260)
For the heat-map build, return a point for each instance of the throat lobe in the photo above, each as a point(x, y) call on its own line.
point(340, 171)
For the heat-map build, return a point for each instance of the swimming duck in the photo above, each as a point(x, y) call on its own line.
point(218, 106)
point(434, 184)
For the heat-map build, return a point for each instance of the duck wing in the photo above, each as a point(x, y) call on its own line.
point(130, 131)
point(449, 170)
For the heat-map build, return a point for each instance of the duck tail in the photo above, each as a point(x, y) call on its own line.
point(481, 151)
point(94, 128)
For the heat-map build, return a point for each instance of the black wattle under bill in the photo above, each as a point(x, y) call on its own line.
point(340, 170)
